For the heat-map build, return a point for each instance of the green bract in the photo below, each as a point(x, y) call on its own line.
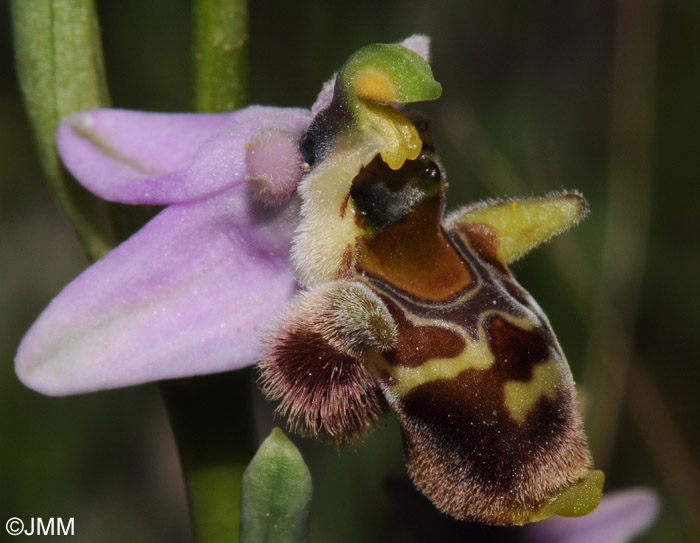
point(276, 494)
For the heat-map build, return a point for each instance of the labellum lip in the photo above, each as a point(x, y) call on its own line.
point(494, 436)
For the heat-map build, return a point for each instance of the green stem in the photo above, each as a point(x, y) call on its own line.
point(211, 420)
point(220, 55)
point(61, 71)
point(211, 415)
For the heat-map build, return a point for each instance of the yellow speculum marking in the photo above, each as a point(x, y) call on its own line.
point(520, 397)
point(476, 355)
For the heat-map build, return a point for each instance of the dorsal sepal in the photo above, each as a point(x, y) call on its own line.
point(367, 86)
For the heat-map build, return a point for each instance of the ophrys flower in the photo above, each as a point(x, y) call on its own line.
point(399, 306)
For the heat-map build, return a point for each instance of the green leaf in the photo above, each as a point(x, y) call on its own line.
point(61, 71)
point(276, 495)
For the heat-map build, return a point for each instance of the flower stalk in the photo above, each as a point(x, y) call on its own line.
point(220, 55)
point(210, 418)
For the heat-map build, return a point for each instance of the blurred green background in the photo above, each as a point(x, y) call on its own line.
point(594, 95)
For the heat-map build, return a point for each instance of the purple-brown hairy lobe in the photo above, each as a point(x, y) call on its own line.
point(314, 361)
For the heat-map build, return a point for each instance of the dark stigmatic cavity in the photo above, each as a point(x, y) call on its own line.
point(384, 196)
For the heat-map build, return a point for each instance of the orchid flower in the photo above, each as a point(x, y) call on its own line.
point(399, 307)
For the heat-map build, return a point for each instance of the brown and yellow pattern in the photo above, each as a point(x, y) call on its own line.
point(477, 372)
point(408, 310)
